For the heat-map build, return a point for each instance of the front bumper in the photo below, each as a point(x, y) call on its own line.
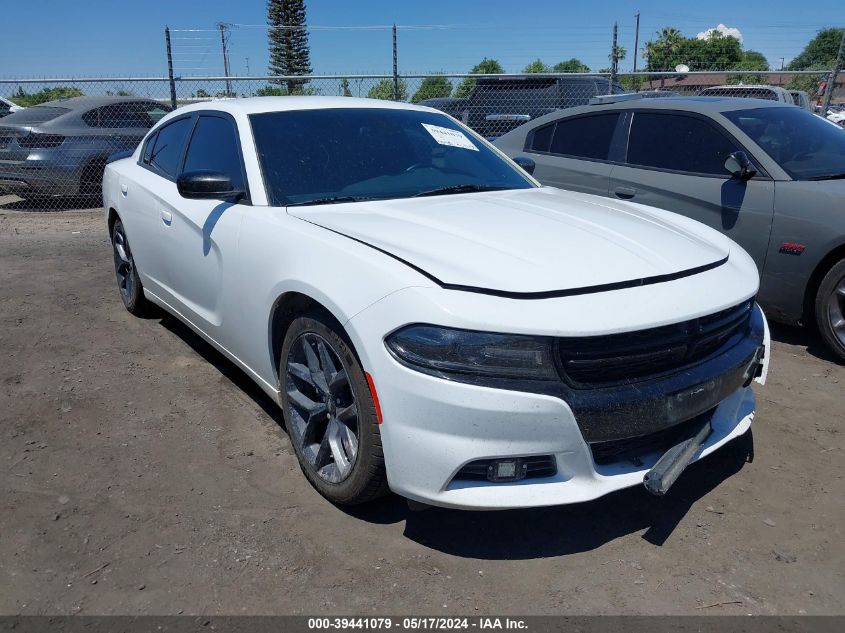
point(433, 427)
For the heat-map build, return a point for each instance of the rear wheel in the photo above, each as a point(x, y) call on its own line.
point(830, 309)
point(128, 282)
point(330, 413)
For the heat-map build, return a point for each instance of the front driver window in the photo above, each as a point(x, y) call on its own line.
point(214, 147)
point(679, 143)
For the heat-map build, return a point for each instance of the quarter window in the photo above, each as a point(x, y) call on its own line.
point(148, 149)
point(541, 138)
point(585, 137)
point(214, 147)
point(678, 143)
point(168, 146)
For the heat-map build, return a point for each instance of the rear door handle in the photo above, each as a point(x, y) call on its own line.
point(626, 193)
point(166, 216)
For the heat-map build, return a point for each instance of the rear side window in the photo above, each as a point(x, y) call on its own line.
point(541, 138)
point(585, 137)
point(126, 115)
point(678, 143)
point(214, 147)
point(168, 146)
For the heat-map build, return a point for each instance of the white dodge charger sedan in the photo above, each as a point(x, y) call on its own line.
point(430, 319)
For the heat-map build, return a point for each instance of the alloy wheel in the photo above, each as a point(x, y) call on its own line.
point(836, 311)
point(322, 409)
point(123, 265)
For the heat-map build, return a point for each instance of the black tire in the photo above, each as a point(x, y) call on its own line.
point(830, 309)
point(91, 181)
point(128, 283)
point(365, 478)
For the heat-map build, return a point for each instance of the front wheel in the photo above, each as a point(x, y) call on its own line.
point(830, 309)
point(330, 413)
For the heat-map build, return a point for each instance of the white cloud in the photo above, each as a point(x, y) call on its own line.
point(724, 30)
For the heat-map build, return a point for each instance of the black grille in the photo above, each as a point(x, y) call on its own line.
point(631, 356)
point(633, 448)
point(537, 466)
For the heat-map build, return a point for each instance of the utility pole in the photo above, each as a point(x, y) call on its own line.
point(170, 68)
point(614, 60)
point(222, 27)
point(395, 68)
point(247, 66)
point(831, 84)
point(636, 46)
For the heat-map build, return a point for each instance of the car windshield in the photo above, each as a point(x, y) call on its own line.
point(806, 146)
point(350, 154)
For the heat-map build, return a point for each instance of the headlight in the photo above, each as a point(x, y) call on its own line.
point(439, 350)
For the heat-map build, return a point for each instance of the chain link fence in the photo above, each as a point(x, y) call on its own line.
point(56, 134)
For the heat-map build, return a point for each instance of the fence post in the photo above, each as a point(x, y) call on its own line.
point(614, 60)
point(170, 67)
point(831, 84)
point(395, 68)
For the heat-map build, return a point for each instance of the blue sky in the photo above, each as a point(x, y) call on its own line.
point(53, 38)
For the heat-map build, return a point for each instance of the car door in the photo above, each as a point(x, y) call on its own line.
point(201, 236)
point(573, 152)
point(675, 161)
point(141, 202)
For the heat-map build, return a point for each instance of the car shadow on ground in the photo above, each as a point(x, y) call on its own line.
point(562, 530)
point(805, 337)
point(226, 367)
point(49, 204)
point(519, 534)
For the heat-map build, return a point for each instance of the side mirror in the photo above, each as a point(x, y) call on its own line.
point(207, 185)
point(739, 166)
point(526, 163)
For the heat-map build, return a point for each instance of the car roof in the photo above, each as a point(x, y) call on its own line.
point(81, 103)
point(690, 104)
point(260, 105)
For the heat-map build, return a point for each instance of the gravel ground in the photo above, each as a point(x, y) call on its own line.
point(142, 473)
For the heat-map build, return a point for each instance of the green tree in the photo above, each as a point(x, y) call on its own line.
point(661, 53)
point(288, 35)
point(751, 60)
point(44, 95)
point(344, 88)
point(621, 52)
point(537, 66)
point(201, 94)
point(282, 91)
point(484, 67)
point(431, 87)
point(820, 52)
point(716, 52)
point(573, 65)
point(384, 90)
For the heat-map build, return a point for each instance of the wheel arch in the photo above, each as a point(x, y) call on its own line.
point(825, 264)
point(113, 217)
point(287, 307)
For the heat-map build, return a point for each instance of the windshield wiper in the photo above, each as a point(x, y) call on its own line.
point(831, 177)
point(441, 191)
point(328, 200)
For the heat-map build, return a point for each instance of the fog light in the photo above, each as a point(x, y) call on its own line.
point(507, 470)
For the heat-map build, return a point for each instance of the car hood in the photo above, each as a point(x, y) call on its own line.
point(527, 241)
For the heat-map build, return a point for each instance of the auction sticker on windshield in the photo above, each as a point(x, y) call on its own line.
point(447, 136)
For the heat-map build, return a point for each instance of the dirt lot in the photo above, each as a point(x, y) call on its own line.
point(143, 473)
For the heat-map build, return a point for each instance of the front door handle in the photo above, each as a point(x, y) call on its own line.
point(166, 216)
point(626, 193)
